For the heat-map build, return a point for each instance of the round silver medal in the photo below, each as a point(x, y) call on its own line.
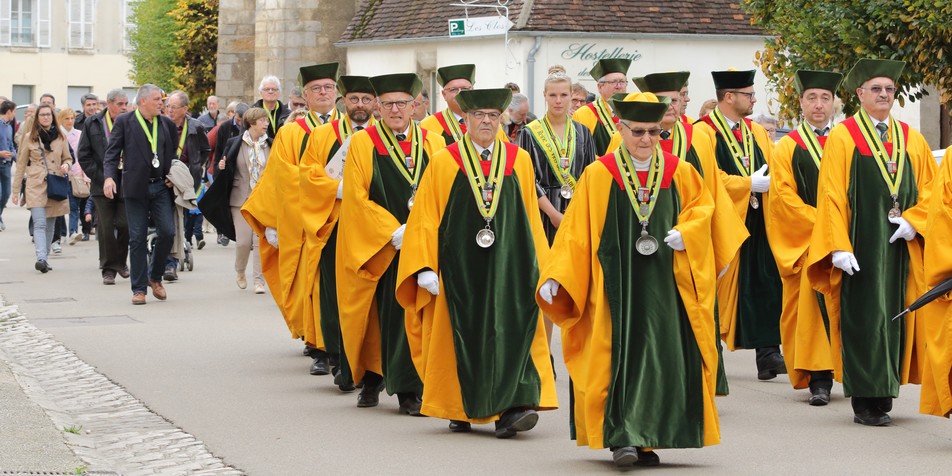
point(566, 192)
point(895, 212)
point(754, 203)
point(155, 161)
point(410, 202)
point(646, 244)
point(485, 238)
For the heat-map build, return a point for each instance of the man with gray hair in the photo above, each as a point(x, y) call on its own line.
point(210, 118)
point(270, 90)
point(111, 229)
point(518, 112)
point(90, 104)
point(141, 149)
point(770, 124)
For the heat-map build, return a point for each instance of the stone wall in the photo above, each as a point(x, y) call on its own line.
point(262, 37)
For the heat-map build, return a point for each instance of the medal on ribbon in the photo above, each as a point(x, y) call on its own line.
point(407, 165)
point(742, 156)
point(643, 197)
point(891, 166)
point(559, 153)
point(153, 138)
point(486, 189)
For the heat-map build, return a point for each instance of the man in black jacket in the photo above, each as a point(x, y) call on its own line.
point(192, 148)
point(270, 89)
point(113, 234)
point(141, 149)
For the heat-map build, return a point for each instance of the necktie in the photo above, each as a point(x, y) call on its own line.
point(883, 131)
point(461, 120)
point(485, 154)
point(736, 127)
point(324, 118)
point(358, 128)
point(821, 132)
point(665, 135)
point(401, 137)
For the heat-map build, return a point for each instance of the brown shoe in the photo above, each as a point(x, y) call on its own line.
point(108, 279)
point(124, 272)
point(158, 290)
point(138, 298)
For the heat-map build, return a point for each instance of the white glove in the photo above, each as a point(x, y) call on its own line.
point(759, 180)
point(674, 240)
point(845, 261)
point(340, 190)
point(905, 230)
point(396, 238)
point(548, 290)
point(430, 281)
point(271, 235)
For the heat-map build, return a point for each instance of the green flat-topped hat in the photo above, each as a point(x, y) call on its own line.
point(457, 71)
point(641, 107)
point(868, 68)
point(662, 82)
point(397, 83)
point(318, 71)
point(733, 79)
point(473, 99)
point(609, 66)
point(811, 79)
point(354, 84)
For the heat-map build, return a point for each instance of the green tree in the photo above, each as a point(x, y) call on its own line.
point(832, 35)
point(153, 42)
point(196, 34)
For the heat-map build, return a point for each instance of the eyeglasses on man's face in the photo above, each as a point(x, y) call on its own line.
point(480, 115)
point(401, 105)
point(322, 87)
point(269, 90)
point(750, 95)
point(877, 89)
point(637, 133)
point(457, 90)
point(361, 100)
point(617, 82)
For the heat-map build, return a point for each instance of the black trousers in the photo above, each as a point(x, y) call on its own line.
point(113, 234)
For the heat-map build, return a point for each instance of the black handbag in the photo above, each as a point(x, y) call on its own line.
point(57, 186)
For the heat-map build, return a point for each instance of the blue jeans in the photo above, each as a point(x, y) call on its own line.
point(5, 188)
point(42, 232)
point(139, 211)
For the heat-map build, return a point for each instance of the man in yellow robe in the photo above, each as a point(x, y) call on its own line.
point(637, 315)
point(936, 396)
point(598, 117)
point(794, 167)
point(274, 212)
point(321, 204)
point(865, 250)
point(384, 165)
point(467, 277)
point(682, 139)
point(449, 122)
point(749, 295)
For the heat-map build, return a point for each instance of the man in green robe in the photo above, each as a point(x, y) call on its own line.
point(598, 117)
point(866, 248)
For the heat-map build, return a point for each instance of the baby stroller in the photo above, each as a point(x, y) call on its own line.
point(187, 262)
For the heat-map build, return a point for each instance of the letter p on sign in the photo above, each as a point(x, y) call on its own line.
point(457, 27)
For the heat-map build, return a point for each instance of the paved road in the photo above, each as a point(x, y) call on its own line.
point(218, 362)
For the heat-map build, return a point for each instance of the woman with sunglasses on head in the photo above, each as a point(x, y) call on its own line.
point(43, 152)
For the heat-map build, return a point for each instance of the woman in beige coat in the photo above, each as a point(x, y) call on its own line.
point(43, 151)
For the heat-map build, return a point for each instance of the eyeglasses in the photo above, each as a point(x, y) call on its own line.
point(480, 115)
point(401, 105)
point(617, 82)
point(578, 101)
point(638, 133)
point(45, 114)
point(749, 95)
point(361, 100)
point(457, 90)
point(318, 88)
point(890, 90)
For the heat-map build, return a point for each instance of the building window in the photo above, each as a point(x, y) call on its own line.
point(25, 23)
point(81, 14)
point(74, 96)
point(127, 25)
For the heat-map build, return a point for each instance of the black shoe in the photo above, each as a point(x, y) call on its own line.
point(42, 266)
point(770, 366)
point(307, 350)
point(647, 458)
point(124, 272)
point(109, 278)
point(514, 420)
point(819, 397)
point(320, 366)
point(85, 237)
point(171, 273)
point(625, 456)
point(457, 426)
point(871, 417)
point(369, 396)
point(883, 403)
point(201, 244)
point(410, 404)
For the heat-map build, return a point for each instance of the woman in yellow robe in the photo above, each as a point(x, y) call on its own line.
point(936, 396)
point(637, 330)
